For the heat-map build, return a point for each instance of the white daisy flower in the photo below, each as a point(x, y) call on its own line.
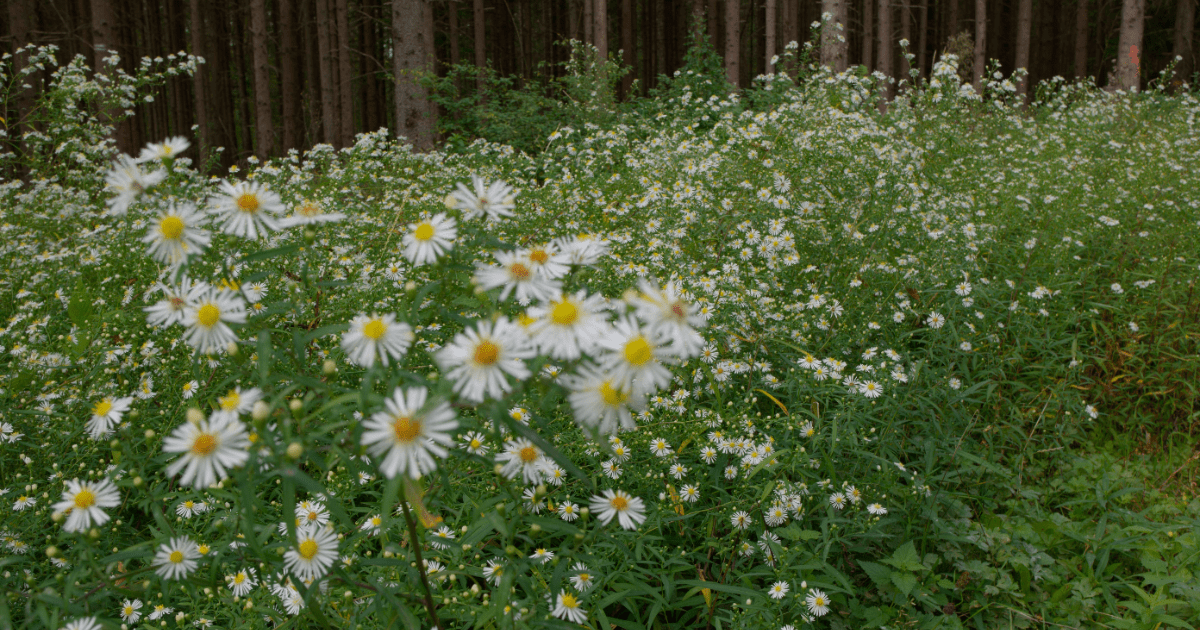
point(242, 582)
point(310, 212)
point(818, 603)
point(105, 414)
point(634, 359)
point(178, 298)
point(316, 550)
point(429, 239)
point(238, 401)
point(310, 513)
point(167, 149)
point(248, 210)
point(374, 336)
point(407, 436)
point(209, 448)
point(568, 511)
point(778, 590)
point(494, 200)
point(177, 559)
point(474, 443)
point(479, 358)
point(494, 571)
point(548, 261)
point(601, 402)
point(176, 234)
point(583, 579)
point(521, 456)
point(207, 319)
point(630, 511)
point(569, 325)
point(129, 182)
point(741, 520)
point(515, 273)
point(689, 493)
point(86, 623)
point(668, 315)
point(82, 502)
point(131, 610)
point(568, 608)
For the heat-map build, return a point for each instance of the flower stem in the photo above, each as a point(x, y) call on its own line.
point(416, 545)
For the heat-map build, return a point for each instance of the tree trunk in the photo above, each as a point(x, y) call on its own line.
point(953, 17)
point(980, 45)
point(21, 19)
point(1185, 20)
point(1081, 37)
point(627, 43)
point(329, 100)
point(289, 66)
point(906, 35)
point(922, 33)
point(589, 21)
point(413, 54)
point(104, 41)
point(452, 9)
point(600, 29)
point(833, 35)
point(769, 34)
point(479, 43)
point(264, 126)
point(345, 88)
point(886, 43)
point(1024, 27)
point(197, 32)
point(1129, 48)
point(868, 41)
point(733, 14)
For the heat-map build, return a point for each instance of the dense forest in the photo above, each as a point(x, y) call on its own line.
point(281, 75)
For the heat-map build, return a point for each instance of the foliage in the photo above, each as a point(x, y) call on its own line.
point(934, 340)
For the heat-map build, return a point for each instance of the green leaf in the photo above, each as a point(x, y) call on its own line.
point(80, 308)
point(271, 253)
point(905, 558)
point(905, 582)
point(266, 354)
point(880, 574)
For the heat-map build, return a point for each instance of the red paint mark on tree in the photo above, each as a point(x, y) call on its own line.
point(1133, 55)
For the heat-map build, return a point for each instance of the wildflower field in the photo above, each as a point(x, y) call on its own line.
point(773, 360)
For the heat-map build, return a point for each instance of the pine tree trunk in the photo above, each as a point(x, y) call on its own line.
point(953, 17)
point(197, 33)
point(345, 74)
point(104, 41)
point(1185, 26)
point(289, 66)
point(980, 45)
point(1129, 47)
point(480, 44)
point(264, 126)
point(589, 21)
point(922, 33)
point(329, 101)
point(1024, 27)
point(600, 29)
point(413, 54)
point(834, 45)
point(868, 42)
point(1081, 37)
point(886, 43)
point(769, 34)
point(628, 56)
point(906, 35)
point(452, 9)
point(733, 14)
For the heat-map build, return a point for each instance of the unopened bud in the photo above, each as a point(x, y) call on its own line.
point(295, 405)
point(194, 415)
point(329, 367)
point(295, 450)
point(231, 348)
point(261, 410)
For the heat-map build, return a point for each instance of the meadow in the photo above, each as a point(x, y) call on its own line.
point(769, 360)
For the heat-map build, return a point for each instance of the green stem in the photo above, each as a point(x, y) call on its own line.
point(416, 545)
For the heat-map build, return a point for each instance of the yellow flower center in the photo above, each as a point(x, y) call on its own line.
point(475, 443)
point(128, 610)
point(239, 578)
point(539, 256)
point(819, 601)
point(612, 396)
point(103, 407)
point(638, 351)
point(424, 232)
point(171, 227)
point(308, 549)
point(248, 202)
point(406, 429)
point(568, 601)
point(312, 516)
point(204, 445)
point(230, 401)
point(209, 315)
point(528, 454)
point(519, 271)
point(678, 311)
point(619, 503)
point(176, 556)
point(309, 209)
point(564, 313)
point(374, 330)
point(189, 505)
point(85, 499)
point(203, 549)
point(486, 353)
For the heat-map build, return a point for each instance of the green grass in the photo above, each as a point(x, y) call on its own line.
point(1007, 503)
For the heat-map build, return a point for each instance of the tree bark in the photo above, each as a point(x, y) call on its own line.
point(868, 41)
point(1129, 47)
point(345, 88)
point(1185, 21)
point(886, 44)
point(413, 54)
point(833, 39)
point(953, 17)
point(21, 18)
point(480, 45)
point(452, 9)
point(769, 35)
point(329, 100)
point(264, 126)
point(906, 35)
point(628, 56)
point(289, 66)
point(1024, 27)
point(733, 14)
point(922, 33)
point(600, 29)
point(589, 21)
point(1081, 37)
point(980, 45)
point(197, 32)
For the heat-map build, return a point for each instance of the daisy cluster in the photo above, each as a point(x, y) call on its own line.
point(703, 336)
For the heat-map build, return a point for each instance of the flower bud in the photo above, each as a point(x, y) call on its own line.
point(295, 450)
point(261, 410)
point(295, 405)
point(328, 367)
point(194, 415)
